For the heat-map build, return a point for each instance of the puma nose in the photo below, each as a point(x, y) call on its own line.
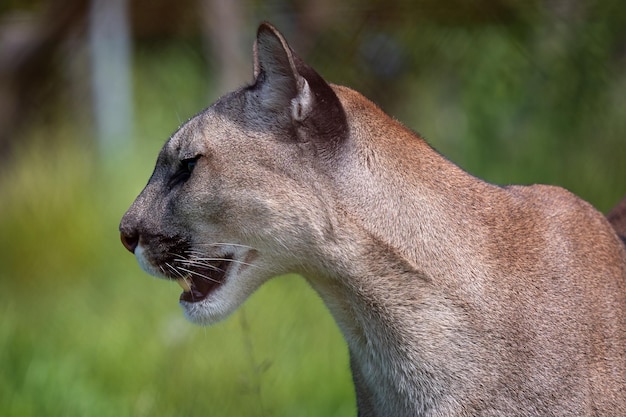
point(129, 240)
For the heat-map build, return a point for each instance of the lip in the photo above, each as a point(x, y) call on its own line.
point(204, 279)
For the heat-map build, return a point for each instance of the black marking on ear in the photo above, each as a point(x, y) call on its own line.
point(326, 120)
point(617, 218)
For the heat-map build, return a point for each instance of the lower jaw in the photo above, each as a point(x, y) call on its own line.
point(193, 296)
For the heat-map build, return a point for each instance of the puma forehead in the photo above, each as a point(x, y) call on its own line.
point(456, 297)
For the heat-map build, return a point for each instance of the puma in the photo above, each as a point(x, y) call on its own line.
point(456, 297)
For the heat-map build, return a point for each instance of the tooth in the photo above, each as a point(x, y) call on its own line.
point(184, 284)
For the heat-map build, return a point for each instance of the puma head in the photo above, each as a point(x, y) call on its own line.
point(235, 196)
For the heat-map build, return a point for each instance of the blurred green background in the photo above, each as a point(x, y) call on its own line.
point(512, 91)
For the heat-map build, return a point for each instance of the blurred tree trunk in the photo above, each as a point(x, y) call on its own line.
point(223, 26)
point(110, 44)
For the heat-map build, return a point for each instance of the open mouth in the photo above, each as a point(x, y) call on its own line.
point(202, 279)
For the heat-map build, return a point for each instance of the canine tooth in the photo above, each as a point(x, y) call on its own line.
point(184, 284)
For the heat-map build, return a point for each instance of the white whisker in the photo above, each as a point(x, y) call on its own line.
point(192, 262)
point(177, 256)
point(199, 275)
point(205, 261)
point(175, 270)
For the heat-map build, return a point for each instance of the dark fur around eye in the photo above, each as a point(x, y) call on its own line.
point(183, 173)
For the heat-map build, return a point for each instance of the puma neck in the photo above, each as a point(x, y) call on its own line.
point(385, 308)
point(395, 216)
point(407, 195)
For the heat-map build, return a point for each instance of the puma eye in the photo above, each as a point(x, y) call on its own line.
point(184, 171)
point(189, 164)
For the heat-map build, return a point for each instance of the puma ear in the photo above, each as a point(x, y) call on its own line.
point(295, 93)
point(276, 70)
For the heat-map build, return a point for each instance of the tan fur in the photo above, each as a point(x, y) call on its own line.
point(456, 297)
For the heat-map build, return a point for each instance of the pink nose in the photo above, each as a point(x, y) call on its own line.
point(130, 241)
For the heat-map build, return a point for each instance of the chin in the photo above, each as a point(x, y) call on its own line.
point(206, 313)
